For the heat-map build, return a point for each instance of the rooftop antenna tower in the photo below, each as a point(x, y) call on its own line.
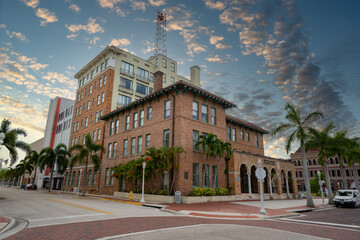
point(160, 38)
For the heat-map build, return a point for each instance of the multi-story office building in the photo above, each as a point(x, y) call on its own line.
point(337, 168)
point(113, 79)
point(57, 130)
point(177, 115)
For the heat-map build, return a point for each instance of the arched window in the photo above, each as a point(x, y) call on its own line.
point(309, 162)
point(314, 162)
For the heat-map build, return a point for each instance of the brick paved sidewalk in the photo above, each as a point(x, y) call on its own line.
point(3, 222)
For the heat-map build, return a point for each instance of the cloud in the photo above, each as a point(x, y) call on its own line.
point(92, 27)
point(195, 48)
point(31, 3)
point(8, 87)
point(120, 42)
point(2, 25)
point(222, 46)
point(75, 8)
point(215, 5)
point(119, 12)
point(149, 47)
point(109, 3)
point(157, 3)
point(215, 59)
point(17, 35)
point(215, 39)
point(135, 5)
point(37, 66)
point(46, 15)
point(94, 40)
point(55, 77)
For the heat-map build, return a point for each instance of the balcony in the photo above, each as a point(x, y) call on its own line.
point(142, 79)
point(126, 90)
point(127, 73)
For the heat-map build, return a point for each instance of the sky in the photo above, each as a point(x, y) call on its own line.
point(257, 54)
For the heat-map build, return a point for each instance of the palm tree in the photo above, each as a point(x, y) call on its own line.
point(223, 149)
point(300, 134)
point(23, 167)
point(176, 151)
point(353, 157)
point(51, 157)
point(166, 164)
point(339, 147)
point(208, 145)
point(33, 158)
point(11, 141)
point(86, 153)
point(323, 142)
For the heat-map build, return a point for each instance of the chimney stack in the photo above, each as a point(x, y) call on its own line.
point(195, 75)
point(158, 81)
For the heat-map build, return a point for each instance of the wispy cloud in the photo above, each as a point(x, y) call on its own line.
point(157, 3)
point(137, 5)
point(31, 3)
point(120, 42)
point(75, 7)
point(215, 59)
point(215, 39)
point(109, 3)
point(17, 35)
point(92, 27)
point(2, 25)
point(46, 15)
point(215, 4)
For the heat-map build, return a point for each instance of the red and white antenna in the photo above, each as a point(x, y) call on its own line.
point(160, 38)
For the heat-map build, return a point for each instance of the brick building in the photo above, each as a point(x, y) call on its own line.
point(176, 116)
point(336, 169)
point(114, 78)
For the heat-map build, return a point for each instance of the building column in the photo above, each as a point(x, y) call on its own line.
point(270, 186)
point(287, 186)
point(249, 181)
point(279, 185)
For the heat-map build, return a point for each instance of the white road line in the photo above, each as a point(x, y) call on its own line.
point(64, 217)
point(321, 223)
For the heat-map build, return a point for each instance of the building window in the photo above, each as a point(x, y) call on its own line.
point(111, 128)
point(126, 83)
point(82, 95)
point(127, 67)
point(234, 134)
point(195, 175)
point(125, 147)
point(94, 135)
point(205, 175)
point(195, 110)
point(66, 177)
point(257, 142)
point(229, 133)
point(88, 106)
point(100, 114)
point(102, 67)
point(242, 135)
point(111, 177)
point(172, 79)
point(86, 121)
point(93, 179)
point(114, 150)
point(106, 176)
point(213, 116)
point(127, 122)
point(214, 176)
point(142, 116)
point(166, 138)
point(98, 134)
point(100, 81)
point(133, 143)
point(142, 73)
point(135, 120)
point(102, 97)
point(69, 178)
point(123, 100)
point(78, 179)
point(116, 126)
point(149, 113)
point(79, 110)
point(195, 140)
point(156, 62)
point(248, 136)
point(172, 67)
point(89, 177)
point(164, 63)
point(96, 117)
point(151, 79)
point(347, 173)
point(147, 143)
point(109, 150)
point(204, 113)
point(139, 147)
point(167, 109)
point(104, 79)
point(73, 178)
point(90, 89)
point(98, 100)
point(164, 78)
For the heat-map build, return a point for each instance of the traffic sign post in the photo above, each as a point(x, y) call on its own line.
point(261, 174)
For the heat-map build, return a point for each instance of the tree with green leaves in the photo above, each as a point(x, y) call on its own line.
point(33, 158)
point(300, 133)
point(322, 141)
point(352, 156)
point(339, 147)
point(51, 157)
point(87, 153)
point(208, 145)
point(176, 151)
point(11, 141)
point(23, 167)
point(223, 150)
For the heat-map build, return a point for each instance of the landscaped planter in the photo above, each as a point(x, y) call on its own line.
point(200, 199)
point(148, 197)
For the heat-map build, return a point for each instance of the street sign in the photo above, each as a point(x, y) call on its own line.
point(260, 173)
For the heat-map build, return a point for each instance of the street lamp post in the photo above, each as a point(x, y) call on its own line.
point(321, 190)
point(261, 174)
point(143, 180)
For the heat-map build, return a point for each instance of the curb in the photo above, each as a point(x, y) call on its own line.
point(13, 227)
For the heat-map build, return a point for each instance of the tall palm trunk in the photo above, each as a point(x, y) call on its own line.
point(343, 175)
point(309, 201)
point(227, 174)
point(35, 174)
point(328, 183)
point(23, 179)
point(84, 180)
point(355, 176)
point(51, 178)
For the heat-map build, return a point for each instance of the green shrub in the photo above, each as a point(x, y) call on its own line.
point(136, 190)
point(222, 191)
point(196, 192)
point(208, 192)
point(162, 192)
point(153, 191)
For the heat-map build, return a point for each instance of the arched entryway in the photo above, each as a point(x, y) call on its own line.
point(274, 181)
point(290, 183)
point(266, 182)
point(283, 182)
point(254, 181)
point(244, 179)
